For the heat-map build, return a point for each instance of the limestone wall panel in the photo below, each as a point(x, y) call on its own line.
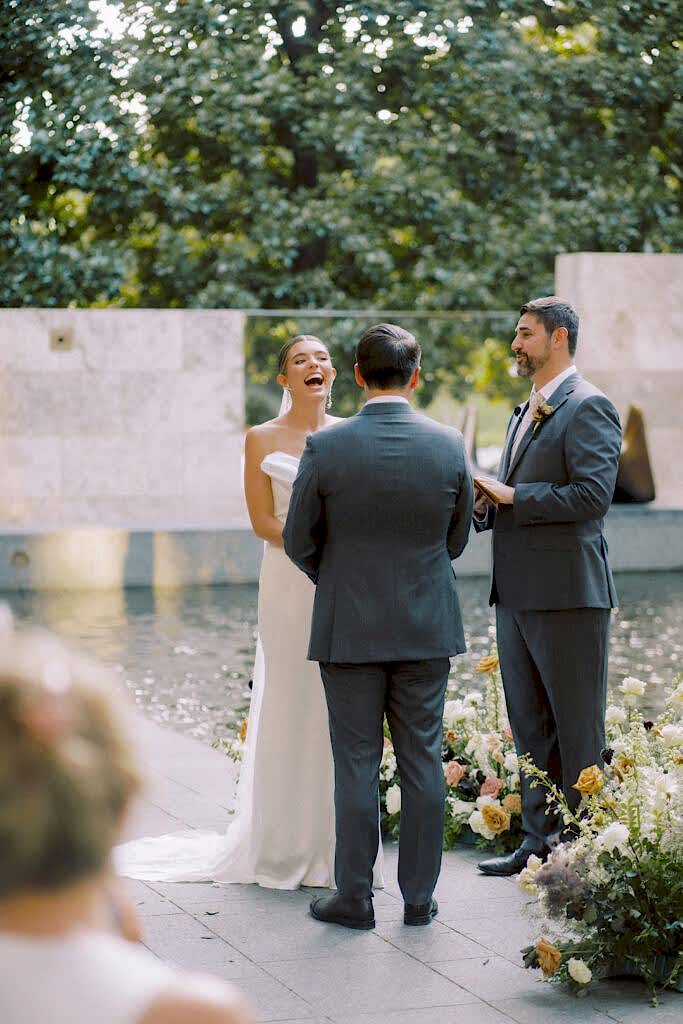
point(31, 468)
point(213, 340)
point(213, 464)
point(631, 345)
point(97, 432)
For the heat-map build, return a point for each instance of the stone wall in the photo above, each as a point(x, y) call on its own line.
point(121, 433)
point(121, 418)
point(631, 345)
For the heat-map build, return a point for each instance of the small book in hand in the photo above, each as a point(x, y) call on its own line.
point(482, 486)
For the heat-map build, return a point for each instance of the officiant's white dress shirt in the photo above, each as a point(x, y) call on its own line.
point(545, 392)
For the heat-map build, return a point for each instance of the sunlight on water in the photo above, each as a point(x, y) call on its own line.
point(186, 655)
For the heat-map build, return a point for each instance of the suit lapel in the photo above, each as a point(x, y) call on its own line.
point(556, 400)
point(513, 427)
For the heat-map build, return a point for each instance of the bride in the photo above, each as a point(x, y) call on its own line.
point(282, 835)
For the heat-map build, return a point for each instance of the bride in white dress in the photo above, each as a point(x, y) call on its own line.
point(282, 834)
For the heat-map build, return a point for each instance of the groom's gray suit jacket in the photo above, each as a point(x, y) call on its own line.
point(549, 550)
point(381, 504)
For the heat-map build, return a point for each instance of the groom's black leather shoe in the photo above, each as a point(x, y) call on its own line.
point(339, 909)
point(513, 862)
point(420, 913)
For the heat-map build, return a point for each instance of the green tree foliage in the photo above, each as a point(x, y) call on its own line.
point(65, 162)
point(344, 155)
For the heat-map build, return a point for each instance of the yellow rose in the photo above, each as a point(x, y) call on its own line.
point(513, 803)
point(591, 780)
point(243, 730)
point(495, 818)
point(489, 663)
point(549, 957)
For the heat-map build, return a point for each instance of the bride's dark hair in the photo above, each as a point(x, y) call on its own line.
point(284, 351)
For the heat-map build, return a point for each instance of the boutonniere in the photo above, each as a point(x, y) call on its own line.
point(541, 414)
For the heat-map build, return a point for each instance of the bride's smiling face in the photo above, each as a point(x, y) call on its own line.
point(308, 371)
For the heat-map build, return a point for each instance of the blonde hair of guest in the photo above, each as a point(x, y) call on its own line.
point(67, 777)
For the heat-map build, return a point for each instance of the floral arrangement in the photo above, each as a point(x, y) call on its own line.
point(614, 895)
point(481, 773)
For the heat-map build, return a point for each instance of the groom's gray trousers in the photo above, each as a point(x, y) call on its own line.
point(411, 693)
point(554, 669)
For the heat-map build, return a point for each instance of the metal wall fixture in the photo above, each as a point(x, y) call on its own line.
point(61, 341)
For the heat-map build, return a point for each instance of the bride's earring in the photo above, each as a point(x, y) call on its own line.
point(328, 403)
point(286, 403)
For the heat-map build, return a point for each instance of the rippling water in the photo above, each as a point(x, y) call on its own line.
point(186, 655)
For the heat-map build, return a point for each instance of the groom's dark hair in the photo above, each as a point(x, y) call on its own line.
point(387, 356)
point(555, 312)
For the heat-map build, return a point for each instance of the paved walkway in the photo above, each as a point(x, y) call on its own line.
point(462, 969)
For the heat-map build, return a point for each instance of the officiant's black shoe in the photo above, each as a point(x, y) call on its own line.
point(420, 913)
point(339, 909)
point(513, 862)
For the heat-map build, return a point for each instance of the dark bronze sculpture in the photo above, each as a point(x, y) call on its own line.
point(635, 483)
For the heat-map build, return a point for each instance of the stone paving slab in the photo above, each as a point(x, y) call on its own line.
point(470, 1013)
point(464, 968)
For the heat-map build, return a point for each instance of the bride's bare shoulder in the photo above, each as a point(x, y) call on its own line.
point(263, 438)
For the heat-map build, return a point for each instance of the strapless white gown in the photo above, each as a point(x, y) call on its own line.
point(282, 834)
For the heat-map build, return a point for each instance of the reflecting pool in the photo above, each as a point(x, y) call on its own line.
point(187, 654)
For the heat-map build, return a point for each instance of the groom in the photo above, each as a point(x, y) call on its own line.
point(380, 506)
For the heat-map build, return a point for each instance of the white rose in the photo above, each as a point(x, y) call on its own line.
point(478, 825)
point(677, 696)
point(579, 971)
point(672, 735)
point(469, 712)
point(452, 711)
point(666, 785)
point(511, 763)
point(615, 715)
point(632, 686)
point(513, 782)
point(527, 877)
point(393, 800)
point(615, 836)
point(474, 698)
point(461, 806)
point(483, 800)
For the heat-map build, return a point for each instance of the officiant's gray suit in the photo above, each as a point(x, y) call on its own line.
point(553, 588)
point(381, 504)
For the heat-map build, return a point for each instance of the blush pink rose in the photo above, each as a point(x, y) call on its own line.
point(491, 787)
point(454, 772)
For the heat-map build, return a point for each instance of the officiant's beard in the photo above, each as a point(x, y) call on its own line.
point(528, 366)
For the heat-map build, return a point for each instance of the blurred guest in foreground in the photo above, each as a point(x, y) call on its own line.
point(66, 780)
